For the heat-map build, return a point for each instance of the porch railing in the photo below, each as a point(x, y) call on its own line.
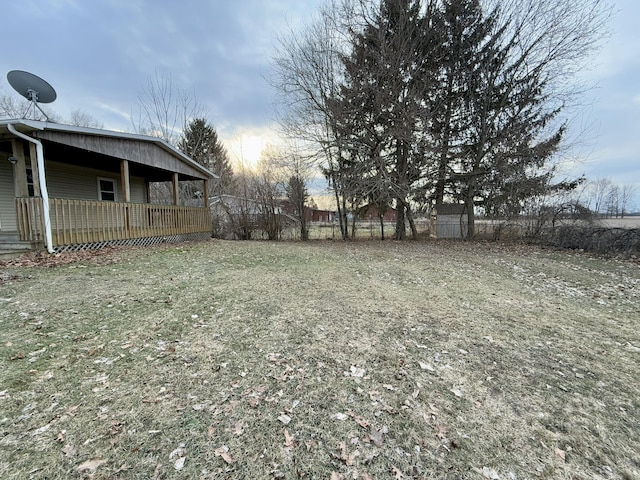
point(85, 221)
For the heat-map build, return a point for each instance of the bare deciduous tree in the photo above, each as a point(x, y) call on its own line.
point(308, 73)
point(84, 119)
point(164, 109)
point(13, 106)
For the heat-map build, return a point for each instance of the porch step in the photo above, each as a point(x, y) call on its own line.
point(11, 254)
point(12, 247)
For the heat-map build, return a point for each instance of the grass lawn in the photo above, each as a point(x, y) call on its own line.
point(327, 360)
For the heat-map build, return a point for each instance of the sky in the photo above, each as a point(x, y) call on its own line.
point(99, 55)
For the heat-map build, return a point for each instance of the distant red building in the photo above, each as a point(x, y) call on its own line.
point(310, 214)
point(370, 212)
point(366, 213)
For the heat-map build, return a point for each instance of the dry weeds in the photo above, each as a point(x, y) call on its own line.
point(321, 360)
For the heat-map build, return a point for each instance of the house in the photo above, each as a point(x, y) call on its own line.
point(68, 188)
point(244, 218)
point(318, 215)
point(370, 213)
point(310, 214)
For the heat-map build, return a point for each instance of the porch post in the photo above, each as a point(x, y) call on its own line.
point(19, 169)
point(125, 181)
point(176, 190)
point(35, 172)
point(205, 192)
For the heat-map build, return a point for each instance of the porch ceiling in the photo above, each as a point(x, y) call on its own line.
point(58, 152)
point(144, 157)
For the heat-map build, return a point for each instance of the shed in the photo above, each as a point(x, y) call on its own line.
point(451, 220)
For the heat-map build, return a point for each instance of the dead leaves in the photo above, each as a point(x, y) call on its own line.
point(427, 366)
point(286, 419)
point(441, 431)
point(223, 452)
point(359, 420)
point(397, 474)
point(69, 450)
point(345, 456)
point(101, 256)
point(18, 355)
point(289, 440)
point(487, 472)
point(356, 372)
point(90, 466)
point(339, 476)
point(178, 456)
point(376, 436)
point(238, 428)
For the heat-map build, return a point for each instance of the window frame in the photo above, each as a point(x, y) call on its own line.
point(100, 190)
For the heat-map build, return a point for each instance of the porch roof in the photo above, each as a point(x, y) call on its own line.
point(144, 150)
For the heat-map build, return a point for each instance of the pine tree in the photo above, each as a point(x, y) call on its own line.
point(378, 110)
point(200, 141)
point(506, 137)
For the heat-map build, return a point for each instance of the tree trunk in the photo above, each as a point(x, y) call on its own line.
point(344, 221)
point(401, 232)
point(412, 224)
point(381, 217)
point(353, 225)
point(468, 205)
point(342, 216)
point(401, 172)
point(444, 147)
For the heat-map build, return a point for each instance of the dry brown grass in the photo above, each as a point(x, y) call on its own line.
point(321, 360)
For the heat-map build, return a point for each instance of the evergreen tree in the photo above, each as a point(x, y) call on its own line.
point(462, 31)
point(200, 141)
point(378, 110)
point(506, 137)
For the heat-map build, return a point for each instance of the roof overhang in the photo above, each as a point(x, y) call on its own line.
point(141, 149)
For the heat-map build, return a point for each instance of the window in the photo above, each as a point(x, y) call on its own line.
point(106, 189)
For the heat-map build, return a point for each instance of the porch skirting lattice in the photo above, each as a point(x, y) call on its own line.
point(135, 242)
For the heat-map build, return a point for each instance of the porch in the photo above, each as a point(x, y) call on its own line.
point(69, 188)
point(77, 224)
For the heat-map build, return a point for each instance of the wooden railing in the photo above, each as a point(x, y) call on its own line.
point(84, 221)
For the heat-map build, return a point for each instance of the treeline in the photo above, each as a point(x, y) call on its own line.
point(608, 199)
point(411, 103)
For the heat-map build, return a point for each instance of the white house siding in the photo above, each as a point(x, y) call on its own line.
point(7, 202)
point(81, 183)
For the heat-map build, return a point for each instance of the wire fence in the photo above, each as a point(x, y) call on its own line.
point(361, 230)
point(601, 239)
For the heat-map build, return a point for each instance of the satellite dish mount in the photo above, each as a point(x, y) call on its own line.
point(33, 88)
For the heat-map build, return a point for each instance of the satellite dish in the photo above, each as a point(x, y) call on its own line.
point(33, 88)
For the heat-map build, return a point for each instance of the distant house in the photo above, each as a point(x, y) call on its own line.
point(371, 213)
point(451, 220)
point(244, 218)
point(321, 216)
point(64, 188)
point(310, 214)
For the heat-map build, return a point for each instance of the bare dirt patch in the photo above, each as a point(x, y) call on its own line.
point(322, 360)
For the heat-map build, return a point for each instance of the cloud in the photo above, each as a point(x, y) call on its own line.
point(245, 145)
